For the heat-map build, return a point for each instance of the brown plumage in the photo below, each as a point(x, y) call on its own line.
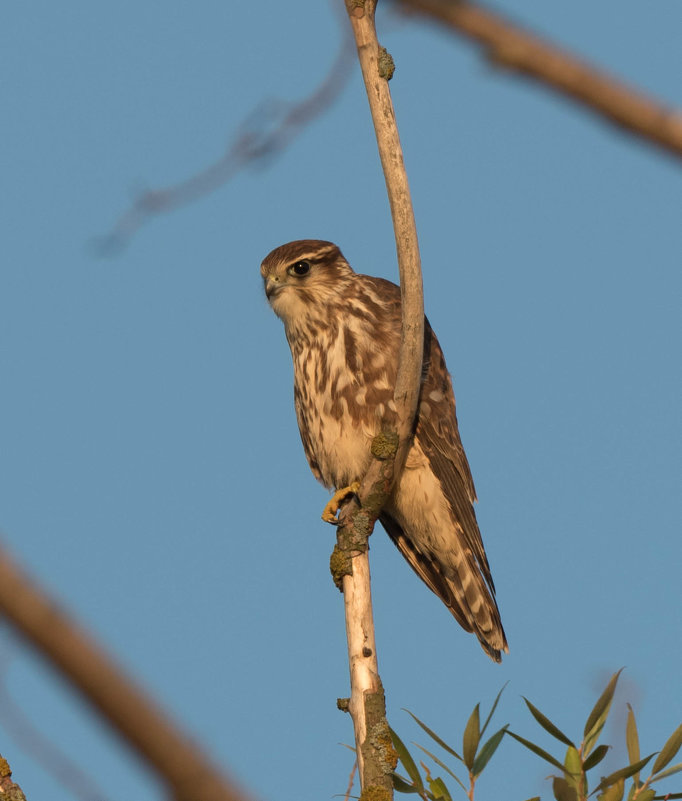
point(344, 333)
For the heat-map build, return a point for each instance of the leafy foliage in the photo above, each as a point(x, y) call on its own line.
point(570, 782)
point(474, 757)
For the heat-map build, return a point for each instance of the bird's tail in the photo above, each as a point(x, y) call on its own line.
point(461, 586)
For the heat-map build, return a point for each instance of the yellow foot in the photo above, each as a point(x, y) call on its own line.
point(330, 510)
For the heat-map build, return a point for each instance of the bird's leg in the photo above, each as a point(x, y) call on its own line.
point(334, 504)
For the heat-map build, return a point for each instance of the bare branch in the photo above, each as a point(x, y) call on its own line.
point(272, 125)
point(350, 562)
point(143, 725)
point(262, 136)
point(508, 46)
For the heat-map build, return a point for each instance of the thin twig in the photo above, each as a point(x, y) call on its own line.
point(351, 781)
point(509, 46)
point(140, 722)
point(262, 135)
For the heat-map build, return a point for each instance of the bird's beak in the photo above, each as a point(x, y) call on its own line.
point(272, 285)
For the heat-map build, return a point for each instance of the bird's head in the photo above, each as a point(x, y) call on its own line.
point(301, 278)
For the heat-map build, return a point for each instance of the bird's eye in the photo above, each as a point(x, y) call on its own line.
point(300, 268)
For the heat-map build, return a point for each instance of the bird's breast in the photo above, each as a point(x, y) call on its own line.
point(342, 392)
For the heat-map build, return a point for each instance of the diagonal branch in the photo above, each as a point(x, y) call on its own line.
point(177, 761)
point(350, 563)
point(265, 133)
point(508, 46)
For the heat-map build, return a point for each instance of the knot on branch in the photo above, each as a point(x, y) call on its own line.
point(356, 8)
point(353, 533)
point(340, 565)
point(351, 540)
point(343, 704)
point(386, 64)
point(385, 445)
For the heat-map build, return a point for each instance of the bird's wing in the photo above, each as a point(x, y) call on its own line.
point(427, 569)
point(438, 435)
point(485, 623)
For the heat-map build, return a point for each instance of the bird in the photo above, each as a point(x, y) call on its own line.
point(343, 330)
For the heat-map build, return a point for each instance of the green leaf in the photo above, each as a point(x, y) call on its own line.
point(402, 786)
point(632, 738)
point(408, 762)
point(489, 748)
point(563, 790)
point(667, 772)
point(614, 792)
point(442, 765)
point(547, 724)
point(492, 709)
point(597, 718)
point(470, 739)
point(669, 750)
point(537, 750)
point(623, 773)
point(595, 757)
point(646, 795)
point(439, 790)
point(435, 737)
point(573, 765)
point(534, 798)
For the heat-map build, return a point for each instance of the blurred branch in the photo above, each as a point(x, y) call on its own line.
point(367, 706)
point(272, 125)
point(264, 134)
point(508, 46)
point(177, 761)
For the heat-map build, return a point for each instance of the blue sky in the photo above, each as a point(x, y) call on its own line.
point(151, 472)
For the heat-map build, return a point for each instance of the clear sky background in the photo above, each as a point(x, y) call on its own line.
point(151, 473)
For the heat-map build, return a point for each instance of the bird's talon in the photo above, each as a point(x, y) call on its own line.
point(334, 503)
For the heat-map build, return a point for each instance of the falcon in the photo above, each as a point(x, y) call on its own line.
point(343, 330)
